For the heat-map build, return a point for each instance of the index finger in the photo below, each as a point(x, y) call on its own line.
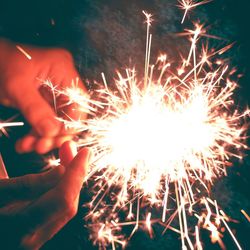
point(73, 179)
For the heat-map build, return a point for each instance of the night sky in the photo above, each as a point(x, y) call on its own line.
point(108, 35)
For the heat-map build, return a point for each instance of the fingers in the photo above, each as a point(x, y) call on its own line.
point(30, 186)
point(55, 208)
point(34, 108)
point(41, 145)
point(46, 144)
point(36, 104)
point(26, 144)
point(67, 152)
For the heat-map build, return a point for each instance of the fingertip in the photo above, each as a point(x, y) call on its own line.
point(84, 152)
point(76, 173)
point(73, 148)
point(44, 145)
point(82, 159)
point(67, 152)
point(58, 142)
point(25, 144)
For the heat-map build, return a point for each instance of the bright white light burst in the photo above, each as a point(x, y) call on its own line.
point(159, 142)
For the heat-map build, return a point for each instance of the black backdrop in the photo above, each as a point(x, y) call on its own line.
point(105, 35)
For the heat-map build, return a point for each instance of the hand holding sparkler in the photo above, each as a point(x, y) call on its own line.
point(23, 68)
point(41, 204)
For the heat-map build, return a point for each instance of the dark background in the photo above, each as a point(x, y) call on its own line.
point(106, 35)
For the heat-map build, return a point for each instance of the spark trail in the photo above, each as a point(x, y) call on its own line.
point(7, 124)
point(158, 144)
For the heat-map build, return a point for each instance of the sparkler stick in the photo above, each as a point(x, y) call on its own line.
point(7, 124)
point(11, 124)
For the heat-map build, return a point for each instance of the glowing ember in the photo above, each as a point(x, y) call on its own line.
point(158, 142)
point(24, 52)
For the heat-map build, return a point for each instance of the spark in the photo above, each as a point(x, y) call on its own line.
point(245, 214)
point(229, 230)
point(73, 95)
point(188, 5)
point(51, 162)
point(24, 52)
point(159, 142)
point(9, 123)
point(52, 21)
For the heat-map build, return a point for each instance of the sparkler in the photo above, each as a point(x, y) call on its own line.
point(158, 144)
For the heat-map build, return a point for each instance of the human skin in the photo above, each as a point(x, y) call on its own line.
point(33, 208)
point(21, 88)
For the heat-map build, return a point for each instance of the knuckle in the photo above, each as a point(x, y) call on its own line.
point(71, 211)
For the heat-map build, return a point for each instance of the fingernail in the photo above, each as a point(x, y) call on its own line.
point(90, 156)
point(73, 148)
point(48, 127)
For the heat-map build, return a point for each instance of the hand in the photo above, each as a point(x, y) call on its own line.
point(20, 84)
point(35, 207)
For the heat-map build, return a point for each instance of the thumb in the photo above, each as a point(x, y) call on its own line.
point(53, 209)
point(75, 174)
point(67, 152)
point(35, 109)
